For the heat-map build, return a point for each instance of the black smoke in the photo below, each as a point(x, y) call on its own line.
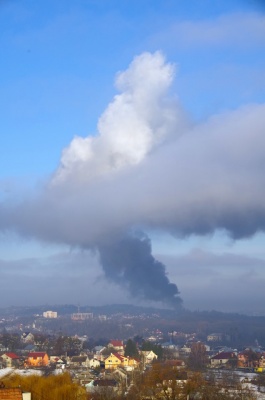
point(129, 262)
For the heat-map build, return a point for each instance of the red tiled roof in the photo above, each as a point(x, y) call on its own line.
point(116, 355)
point(11, 393)
point(119, 356)
point(116, 343)
point(12, 355)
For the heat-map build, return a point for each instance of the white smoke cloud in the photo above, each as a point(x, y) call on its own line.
point(137, 120)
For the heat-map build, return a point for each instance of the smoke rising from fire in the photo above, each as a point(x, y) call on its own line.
point(130, 263)
point(149, 168)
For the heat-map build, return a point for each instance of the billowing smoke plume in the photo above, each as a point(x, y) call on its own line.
point(147, 169)
point(130, 263)
point(135, 122)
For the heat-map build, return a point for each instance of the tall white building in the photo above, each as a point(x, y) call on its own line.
point(50, 314)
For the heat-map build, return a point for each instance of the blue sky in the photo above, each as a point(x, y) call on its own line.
point(59, 62)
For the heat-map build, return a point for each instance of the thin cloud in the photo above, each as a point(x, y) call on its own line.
point(241, 29)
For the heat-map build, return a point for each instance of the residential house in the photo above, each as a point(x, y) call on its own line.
point(98, 352)
point(79, 361)
point(94, 363)
point(223, 358)
point(115, 360)
point(27, 337)
point(148, 356)
point(57, 361)
point(98, 384)
point(112, 361)
point(10, 359)
point(117, 345)
point(128, 362)
point(248, 359)
point(131, 364)
point(37, 359)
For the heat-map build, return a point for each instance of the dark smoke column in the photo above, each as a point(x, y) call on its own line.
point(129, 262)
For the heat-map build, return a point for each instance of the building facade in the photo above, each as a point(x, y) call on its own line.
point(50, 314)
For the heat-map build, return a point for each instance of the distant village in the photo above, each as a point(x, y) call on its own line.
point(33, 349)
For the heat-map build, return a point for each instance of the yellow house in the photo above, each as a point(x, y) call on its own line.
point(37, 359)
point(132, 362)
point(112, 361)
point(117, 360)
point(10, 359)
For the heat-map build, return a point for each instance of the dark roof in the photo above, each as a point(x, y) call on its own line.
point(79, 358)
point(105, 382)
point(224, 355)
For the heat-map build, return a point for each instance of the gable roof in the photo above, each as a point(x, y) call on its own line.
point(12, 355)
point(114, 355)
point(224, 355)
point(119, 356)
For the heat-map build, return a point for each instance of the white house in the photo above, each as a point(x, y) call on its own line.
point(223, 358)
point(149, 356)
point(94, 363)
